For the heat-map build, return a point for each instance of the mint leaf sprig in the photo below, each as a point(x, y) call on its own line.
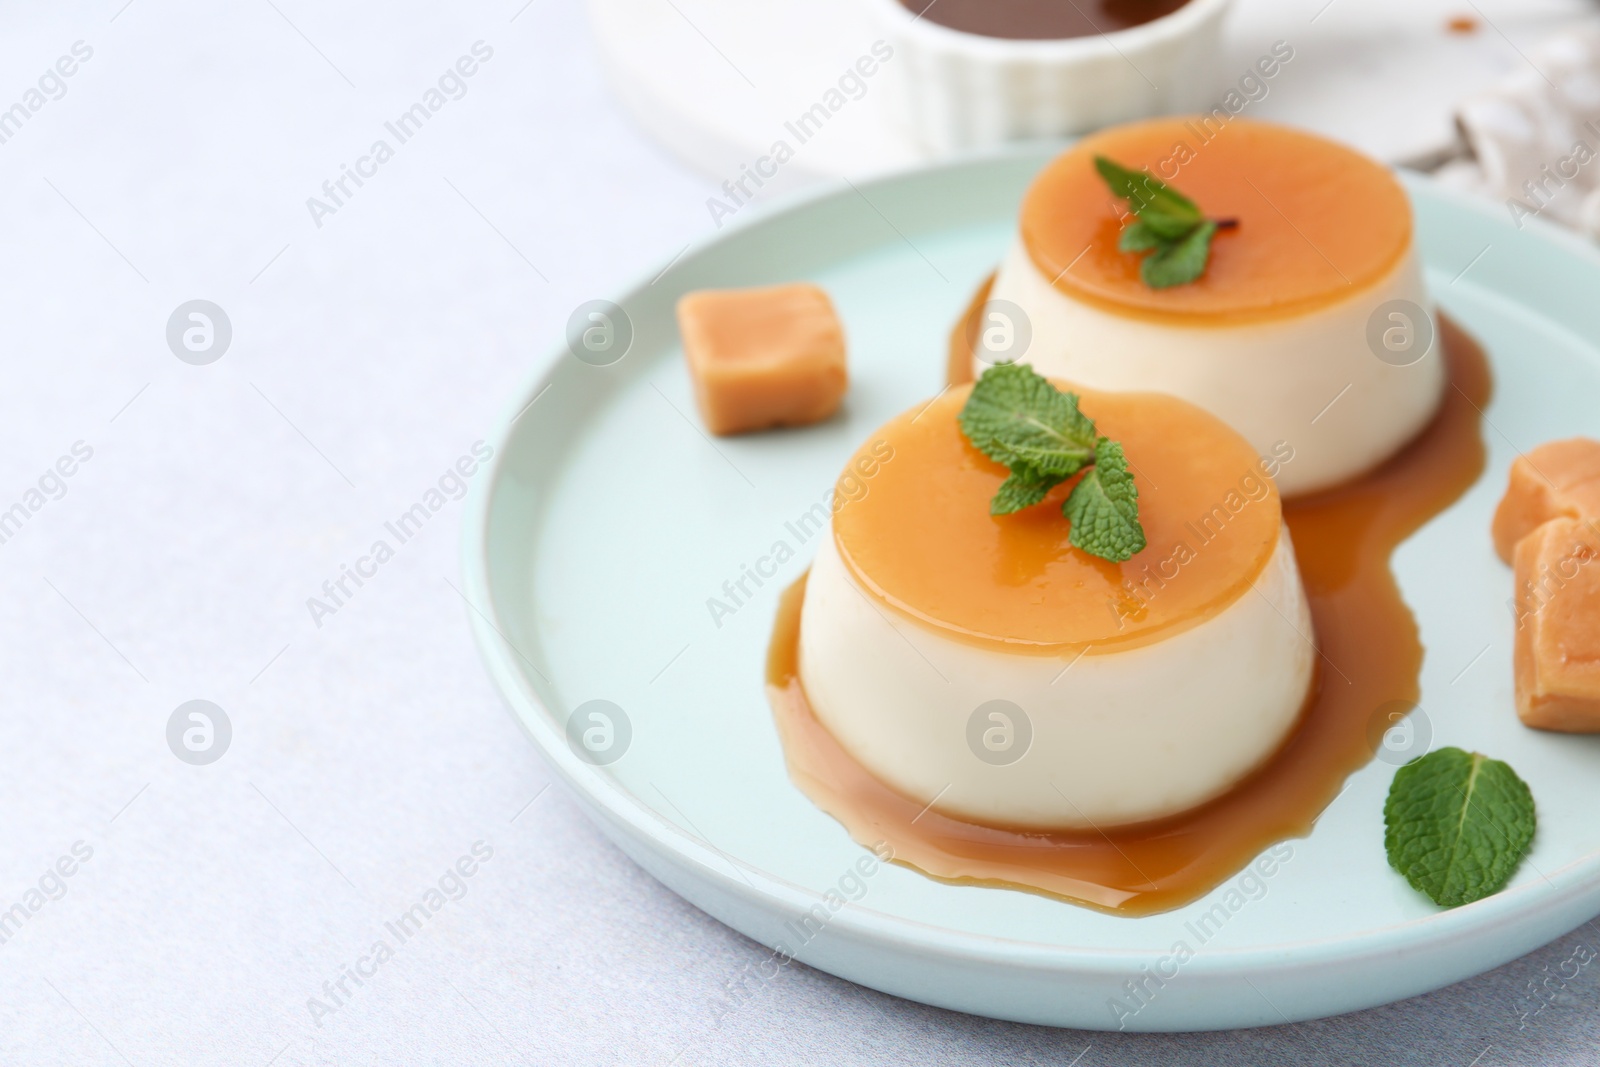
point(1017, 418)
point(1457, 825)
point(1169, 224)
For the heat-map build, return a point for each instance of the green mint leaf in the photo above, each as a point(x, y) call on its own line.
point(1017, 418)
point(1168, 228)
point(1025, 488)
point(1167, 211)
point(1180, 262)
point(1104, 507)
point(1138, 237)
point(1169, 225)
point(1457, 824)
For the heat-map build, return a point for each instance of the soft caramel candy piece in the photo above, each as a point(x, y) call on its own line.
point(1560, 479)
point(1557, 645)
point(763, 357)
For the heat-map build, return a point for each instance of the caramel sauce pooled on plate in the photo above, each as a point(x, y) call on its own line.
point(1370, 657)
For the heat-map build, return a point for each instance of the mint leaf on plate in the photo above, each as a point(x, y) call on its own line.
point(1457, 825)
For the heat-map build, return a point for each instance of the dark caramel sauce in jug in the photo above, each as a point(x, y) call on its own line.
point(1370, 659)
point(1041, 20)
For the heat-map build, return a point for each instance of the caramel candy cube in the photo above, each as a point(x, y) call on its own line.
point(1560, 479)
point(1556, 651)
point(763, 357)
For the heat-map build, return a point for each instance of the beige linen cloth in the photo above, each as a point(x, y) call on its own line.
point(1532, 141)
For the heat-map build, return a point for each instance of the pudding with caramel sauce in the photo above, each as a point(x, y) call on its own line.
point(1368, 653)
point(1126, 691)
point(1276, 337)
point(1004, 709)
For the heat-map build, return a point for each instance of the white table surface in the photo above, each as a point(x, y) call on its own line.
point(370, 753)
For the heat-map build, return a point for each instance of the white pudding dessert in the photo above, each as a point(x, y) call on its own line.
point(1310, 331)
point(983, 666)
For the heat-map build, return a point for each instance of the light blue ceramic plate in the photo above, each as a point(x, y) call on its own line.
point(611, 519)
